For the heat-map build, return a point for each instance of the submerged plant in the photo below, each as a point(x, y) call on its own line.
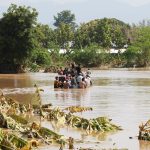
point(19, 119)
point(144, 131)
point(47, 135)
point(75, 109)
point(98, 124)
point(10, 141)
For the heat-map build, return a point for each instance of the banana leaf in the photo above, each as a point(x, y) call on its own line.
point(99, 124)
point(11, 142)
point(17, 141)
point(7, 145)
point(47, 132)
point(1, 135)
point(19, 119)
point(44, 132)
point(75, 109)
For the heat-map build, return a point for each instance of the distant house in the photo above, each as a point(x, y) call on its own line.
point(62, 51)
point(111, 51)
point(116, 51)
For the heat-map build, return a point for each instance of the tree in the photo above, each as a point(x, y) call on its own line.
point(141, 45)
point(16, 38)
point(44, 36)
point(104, 32)
point(90, 56)
point(65, 17)
point(64, 36)
point(43, 41)
point(131, 56)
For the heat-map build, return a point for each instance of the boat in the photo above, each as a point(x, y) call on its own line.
point(66, 81)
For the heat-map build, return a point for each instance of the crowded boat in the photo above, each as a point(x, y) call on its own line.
point(72, 77)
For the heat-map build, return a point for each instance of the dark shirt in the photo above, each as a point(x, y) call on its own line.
point(78, 68)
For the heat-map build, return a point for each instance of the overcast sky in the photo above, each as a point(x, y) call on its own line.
point(129, 11)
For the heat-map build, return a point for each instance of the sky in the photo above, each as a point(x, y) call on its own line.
point(129, 11)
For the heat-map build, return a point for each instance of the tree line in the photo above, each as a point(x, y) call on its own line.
point(25, 43)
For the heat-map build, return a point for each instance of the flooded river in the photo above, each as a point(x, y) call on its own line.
point(122, 95)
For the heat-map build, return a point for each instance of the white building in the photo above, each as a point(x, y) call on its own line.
point(116, 51)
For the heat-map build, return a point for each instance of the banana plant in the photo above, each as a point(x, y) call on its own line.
point(48, 134)
point(11, 141)
point(75, 109)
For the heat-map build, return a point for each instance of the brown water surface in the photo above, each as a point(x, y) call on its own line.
point(121, 95)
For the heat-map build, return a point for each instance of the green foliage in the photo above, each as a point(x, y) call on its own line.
point(44, 37)
point(33, 67)
point(131, 56)
point(19, 119)
point(141, 46)
point(41, 57)
point(43, 40)
point(65, 17)
point(58, 59)
point(102, 124)
point(64, 36)
point(89, 56)
point(16, 40)
point(14, 141)
point(105, 32)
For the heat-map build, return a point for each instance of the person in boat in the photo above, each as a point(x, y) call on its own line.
point(65, 72)
point(73, 81)
point(72, 78)
point(73, 69)
point(79, 78)
point(82, 84)
point(66, 84)
point(60, 71)
point(88, 72)
point(88, 81)
point(62, 78)
point(56, 82)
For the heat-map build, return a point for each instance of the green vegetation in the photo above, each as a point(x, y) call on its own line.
point(103, 32)
point(91, 56)
point(140, 48)
point(16, 39)
point(24, 43)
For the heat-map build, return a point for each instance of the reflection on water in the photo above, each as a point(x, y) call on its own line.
point(121, 95)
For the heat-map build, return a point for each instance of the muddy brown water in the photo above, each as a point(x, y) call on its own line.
point(122, 95)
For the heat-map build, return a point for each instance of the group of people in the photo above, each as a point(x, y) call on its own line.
point(72, 77)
